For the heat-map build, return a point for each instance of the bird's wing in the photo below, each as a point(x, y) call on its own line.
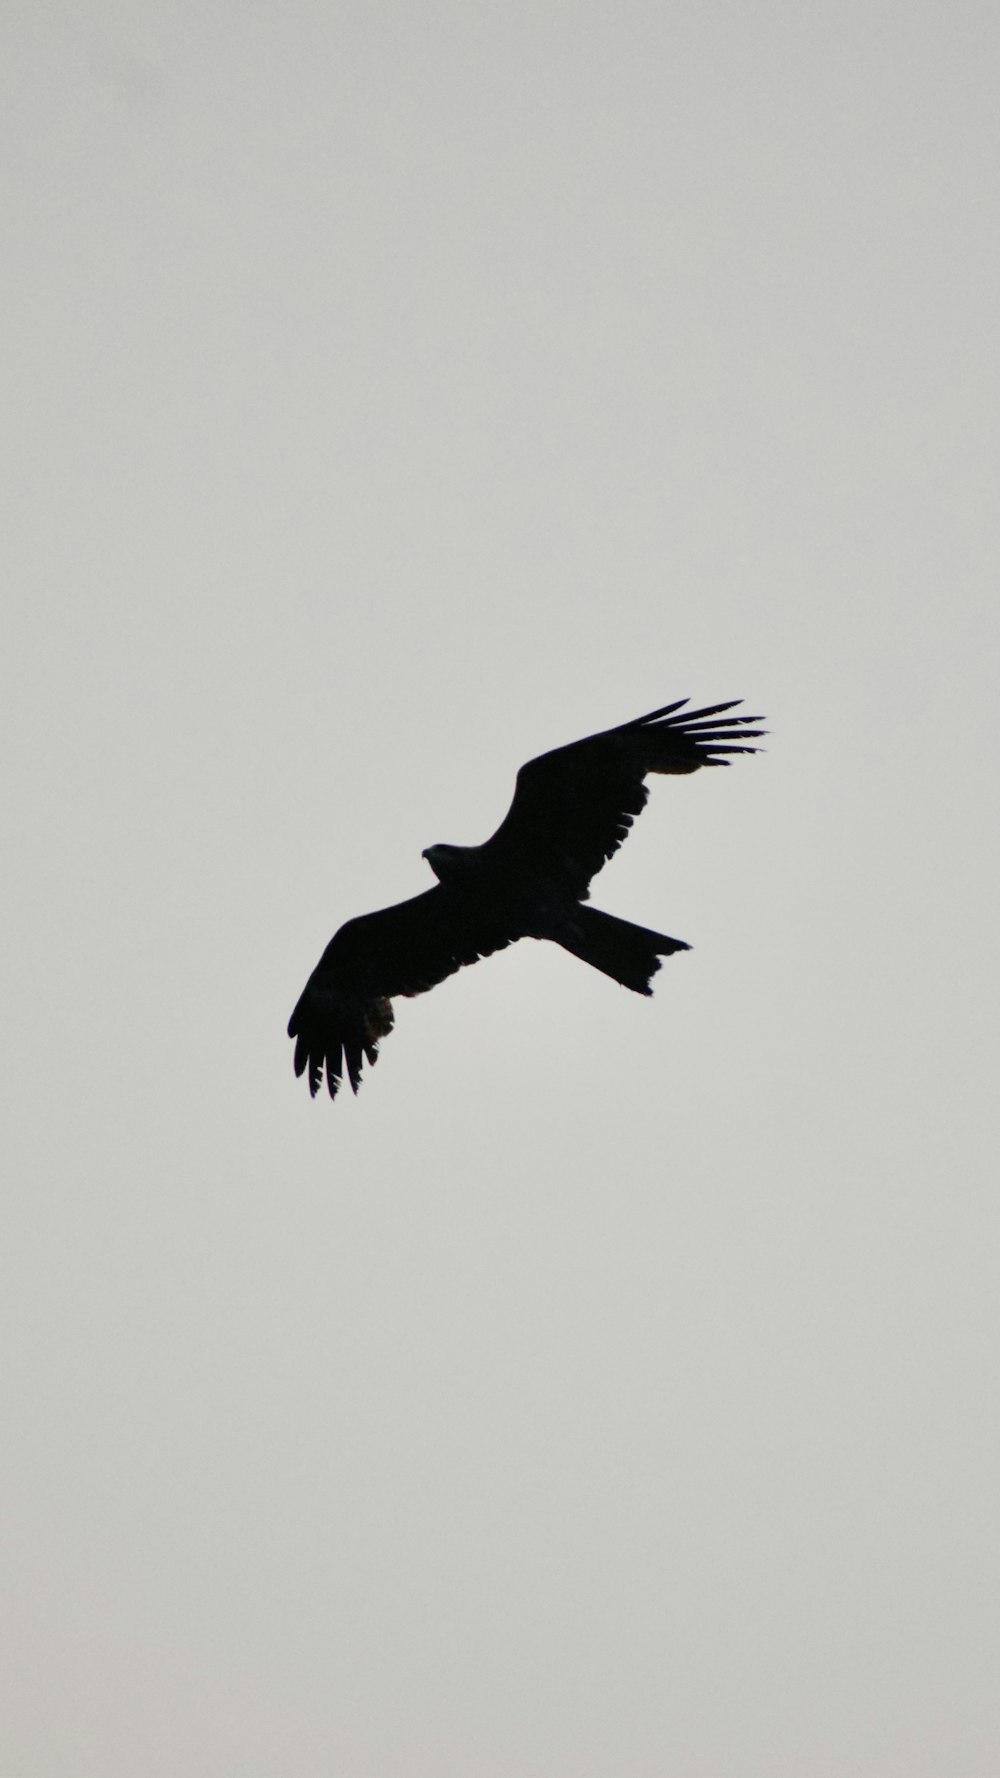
point(345, 1006)
point(573, 807)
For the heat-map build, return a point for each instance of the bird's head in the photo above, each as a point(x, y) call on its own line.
point(446, 862)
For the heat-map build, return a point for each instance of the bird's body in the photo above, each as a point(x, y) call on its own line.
point(572, 809)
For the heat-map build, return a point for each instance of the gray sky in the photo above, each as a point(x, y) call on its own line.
point(394, 392)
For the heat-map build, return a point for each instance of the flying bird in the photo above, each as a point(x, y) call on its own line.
point(572, 809)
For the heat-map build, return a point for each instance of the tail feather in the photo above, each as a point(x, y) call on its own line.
point(628, 954)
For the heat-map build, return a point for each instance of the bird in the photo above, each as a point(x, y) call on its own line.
point(572, 809)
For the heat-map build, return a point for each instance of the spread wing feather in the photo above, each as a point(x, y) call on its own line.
point(344, 1008)
point(573, 807)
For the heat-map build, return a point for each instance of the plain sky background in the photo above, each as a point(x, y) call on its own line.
point(392, 392)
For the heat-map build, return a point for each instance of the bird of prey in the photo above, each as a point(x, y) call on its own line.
point(572, 809)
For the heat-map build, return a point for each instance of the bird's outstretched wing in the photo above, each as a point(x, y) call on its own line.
point(345, 1008)
point(573, 807)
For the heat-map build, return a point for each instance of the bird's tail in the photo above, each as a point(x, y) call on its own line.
point(628, 954)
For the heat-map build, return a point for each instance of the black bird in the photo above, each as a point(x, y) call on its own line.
point(572, 809)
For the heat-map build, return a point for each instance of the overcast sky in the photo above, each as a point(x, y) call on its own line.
point(392, 392)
